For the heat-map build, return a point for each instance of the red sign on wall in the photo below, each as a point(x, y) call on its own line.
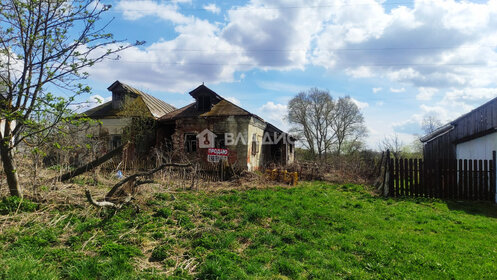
point(215, 155)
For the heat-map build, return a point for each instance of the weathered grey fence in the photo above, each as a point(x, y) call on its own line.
point(447, 179)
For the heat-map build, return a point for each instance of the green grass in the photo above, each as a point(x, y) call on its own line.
point(315, 231)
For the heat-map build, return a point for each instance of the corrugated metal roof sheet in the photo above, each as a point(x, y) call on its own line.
point(101, 111)
point(157, 107)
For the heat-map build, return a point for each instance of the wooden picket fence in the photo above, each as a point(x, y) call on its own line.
point(447, 179)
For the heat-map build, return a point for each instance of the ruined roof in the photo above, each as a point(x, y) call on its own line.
point(102, 111)
point(226, 108)
point(223, 108)
point(271, 128)
point(157, 107)
point(202, 90)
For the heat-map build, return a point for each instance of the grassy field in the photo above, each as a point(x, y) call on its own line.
point(314, 230)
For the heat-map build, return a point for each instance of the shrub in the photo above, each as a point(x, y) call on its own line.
point(183, 206)
point(184, 221)
point(12, 203)
point(114, 249)
point(164, 196)
point(163, 212)
point(42, 238)
point(160, 253)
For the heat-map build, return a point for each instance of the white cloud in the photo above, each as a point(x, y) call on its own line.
point(428, 46)
point(275, 113)
point(359, 72)
point(92, 102)
point(360, 105)
point(160, 67)
point(396, 90)
point(426, 93)
point(470, 94)
point(233, 100)
point(431, 44)
point(275, 38)
point(212, 8)
point(282, 87)
point(134, 10)
point(376, 90)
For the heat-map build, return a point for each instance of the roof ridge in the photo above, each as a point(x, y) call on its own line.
point(245, 110)
point(156, 106)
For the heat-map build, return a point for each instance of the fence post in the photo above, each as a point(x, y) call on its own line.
point(386, 176)
point(494, 183)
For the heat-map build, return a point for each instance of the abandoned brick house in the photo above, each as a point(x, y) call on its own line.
point(247, 139)
point(113, 119)
point(253, 142)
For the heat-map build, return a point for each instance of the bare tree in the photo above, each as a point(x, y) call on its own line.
point(326, 125)
point(430, 123)
point(392, 143)
point(310, 113)
point(45, 45)
point(347, 123)
point(298, 114)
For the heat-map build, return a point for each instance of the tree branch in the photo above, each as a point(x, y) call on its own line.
point(148, 173)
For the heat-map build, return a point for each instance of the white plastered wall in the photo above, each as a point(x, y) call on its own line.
point(255, 132)
point(479, 148)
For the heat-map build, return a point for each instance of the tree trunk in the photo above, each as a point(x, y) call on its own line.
point(82, 169)
point(9, 168)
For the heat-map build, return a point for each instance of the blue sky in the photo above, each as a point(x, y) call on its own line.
point(399, 60)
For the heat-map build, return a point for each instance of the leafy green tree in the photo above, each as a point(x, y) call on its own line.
point(45, 45)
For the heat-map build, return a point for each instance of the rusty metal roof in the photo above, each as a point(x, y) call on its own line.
point(102, 111)
point(220, 107)
point(223, 108)
point(157, 107)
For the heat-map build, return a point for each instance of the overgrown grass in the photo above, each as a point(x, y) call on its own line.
point(311, 231)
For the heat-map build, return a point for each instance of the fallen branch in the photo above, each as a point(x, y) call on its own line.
point(101, 203)
point(141, 174)
point(82, 169)
point(105, 203)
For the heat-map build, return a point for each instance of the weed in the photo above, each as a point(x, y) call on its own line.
point(164, 196)
point(163, 212)
point(184, 220)
point(114, 249)
point(12, 203)
point(314, 230)
point(160, 253)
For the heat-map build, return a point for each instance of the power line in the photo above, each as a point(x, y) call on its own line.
point(267, 7)
point(343, 65)
point(328, 49)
